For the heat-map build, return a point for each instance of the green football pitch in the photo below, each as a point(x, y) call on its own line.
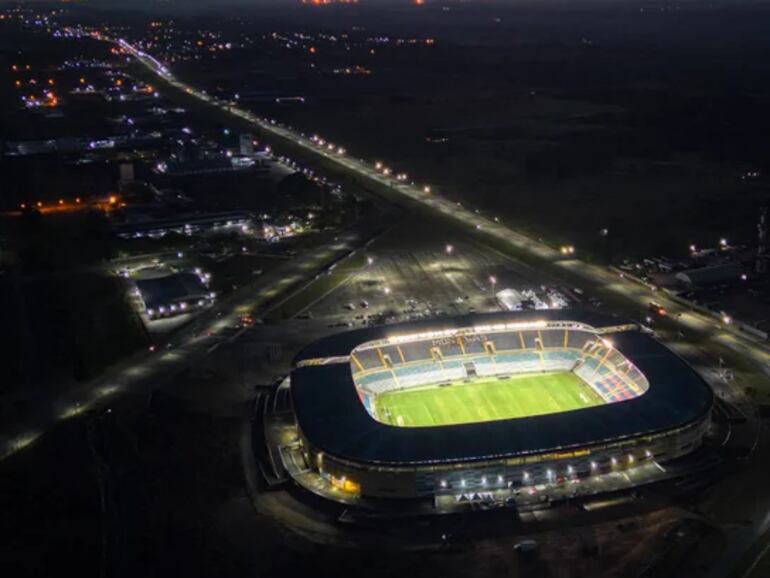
point(485, 400)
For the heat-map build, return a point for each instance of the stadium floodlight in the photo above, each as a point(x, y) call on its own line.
point(726, 319)
point(369, 260)
point(378, 165)
point(426, 189)
point(723, 243)
point(693, 249)
point(449, 249)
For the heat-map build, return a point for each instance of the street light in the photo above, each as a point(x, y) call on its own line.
point(449, 249)
point(387, 290)
point(492, 282)
point(369, 260)
point(723, 243)
point(426, 189)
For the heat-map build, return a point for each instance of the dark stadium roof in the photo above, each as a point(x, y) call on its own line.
point(333, 419)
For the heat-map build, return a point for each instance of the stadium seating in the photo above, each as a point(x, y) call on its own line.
point(475, 345)
point(414, 364)
point(552, 339)
point(578, 339)
point(368, 358)
point(449, 348)
point(506, 341)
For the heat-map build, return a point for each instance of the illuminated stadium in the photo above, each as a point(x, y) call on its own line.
point(491, 401)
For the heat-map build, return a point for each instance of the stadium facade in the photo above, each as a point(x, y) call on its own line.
point(652, 405)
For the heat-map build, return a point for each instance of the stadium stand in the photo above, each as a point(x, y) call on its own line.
point(432, 361)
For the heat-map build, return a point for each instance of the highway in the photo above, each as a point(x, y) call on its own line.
point(150, 369)
point(719, 331)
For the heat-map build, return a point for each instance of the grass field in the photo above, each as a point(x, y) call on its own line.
point(486, 400)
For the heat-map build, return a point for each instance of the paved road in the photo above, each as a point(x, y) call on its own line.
point(720, 332)
point(201, 337)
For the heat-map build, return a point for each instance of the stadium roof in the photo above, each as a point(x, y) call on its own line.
point(333, 419)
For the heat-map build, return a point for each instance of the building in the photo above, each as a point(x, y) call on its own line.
point(186, 225)
point(649, 404)
point(173, 294)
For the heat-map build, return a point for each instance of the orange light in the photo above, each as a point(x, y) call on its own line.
point(51, 82)
point(113, 199)
point(119, 82)
point(18, 83)
point(39, 204)
point(312, 50)
point(23, 206)
point(61, 201)
point(15, 68)
point(77, 200)
point(82, 80)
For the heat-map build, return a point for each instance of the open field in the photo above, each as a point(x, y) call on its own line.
point(486, 400)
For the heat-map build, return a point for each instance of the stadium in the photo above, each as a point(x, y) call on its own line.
point(490, 401)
